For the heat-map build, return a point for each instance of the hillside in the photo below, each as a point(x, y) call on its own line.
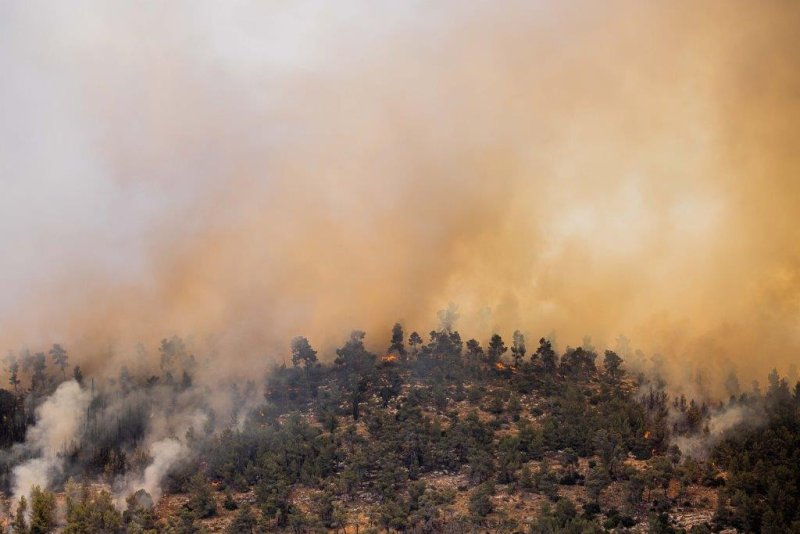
point(442, 436)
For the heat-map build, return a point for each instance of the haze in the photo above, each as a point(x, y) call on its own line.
point(244, 172)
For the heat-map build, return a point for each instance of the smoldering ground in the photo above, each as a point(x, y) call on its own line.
point(250, 171)
point(129, 433)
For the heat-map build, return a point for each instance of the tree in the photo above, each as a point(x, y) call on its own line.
point(518, 347)
point(273, 497)
point(139, 516)
point(244, 522)
point(183, 523)
point(89, 512)
point(353, 356)
point(298, 520)
point(201, 503)
point(659, 523)
point(186, 380)
point(20, 524)
point(578, 363)
point(167, 353)
point(596, 481)
point(732, 384)
point(13, 372)
point(323, 508)
point(480, 503)
point(302, 353)
point(634, 488)
point(397, 345)
point(474, 354)
point(38, 364)
point(448, 318)
point(392, 515)
point(229, 503)
point(545, 481)
point(514, 406)
point(546, 355)
point(43, 510)
point(415, 341)
point(358, 364)
point(612, 364)
point(495, 350)
point(75, 509)
point(526, 479)
point(606, 447)
point(77, 374)
point(416, 490)
point(60, 358)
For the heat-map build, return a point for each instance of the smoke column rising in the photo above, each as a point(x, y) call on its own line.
point(58, 421)
point(165, 453)
point(254, 170)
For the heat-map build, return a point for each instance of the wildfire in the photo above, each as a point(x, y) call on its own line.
point(389, 358)
point(500, 366)
point(646, 434)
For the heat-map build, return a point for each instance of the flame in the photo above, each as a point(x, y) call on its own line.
point(646, 434)
point(389, 358)
point(500, 366)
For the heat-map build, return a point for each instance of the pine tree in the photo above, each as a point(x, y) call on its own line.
point(546, 355)
point(244, 522)
point(20, 524)
point(415, 340)
point(303, 353)
point(495, 350)
point(397, 345)
point(518, 349)
point(13, 374)
point(60, 358)
point(43, 509)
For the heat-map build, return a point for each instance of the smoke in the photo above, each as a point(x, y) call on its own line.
point(165, 454)
point(730, 418)
point(246, 172)
point(58, 422)
point(170, 418)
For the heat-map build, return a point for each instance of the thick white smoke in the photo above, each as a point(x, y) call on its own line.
point(58, 423)
point(164, 453)
point(721, 422)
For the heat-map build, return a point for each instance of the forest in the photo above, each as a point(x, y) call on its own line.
point(227, 229)
point(430, 435)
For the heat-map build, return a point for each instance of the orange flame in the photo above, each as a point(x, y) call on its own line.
point(389, 358)
point(500, 366)
point(646, 434)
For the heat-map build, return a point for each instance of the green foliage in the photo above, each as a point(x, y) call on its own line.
point(201, 500)
point(245, 522)
point(397, 345)
point(183, 523)
point(20, 523)
point(89, 512)
point(138, 516)
point(302, 353)
point(762, 491)
point(612, 364)
point(370, 432)
point(229, 503)
point(495, 350)
point(562, 519)
point(60, 358)
point(480, 502)
point(596, 481)
point(43, 510)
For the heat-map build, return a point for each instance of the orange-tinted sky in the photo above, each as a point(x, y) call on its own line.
point(256, 170)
